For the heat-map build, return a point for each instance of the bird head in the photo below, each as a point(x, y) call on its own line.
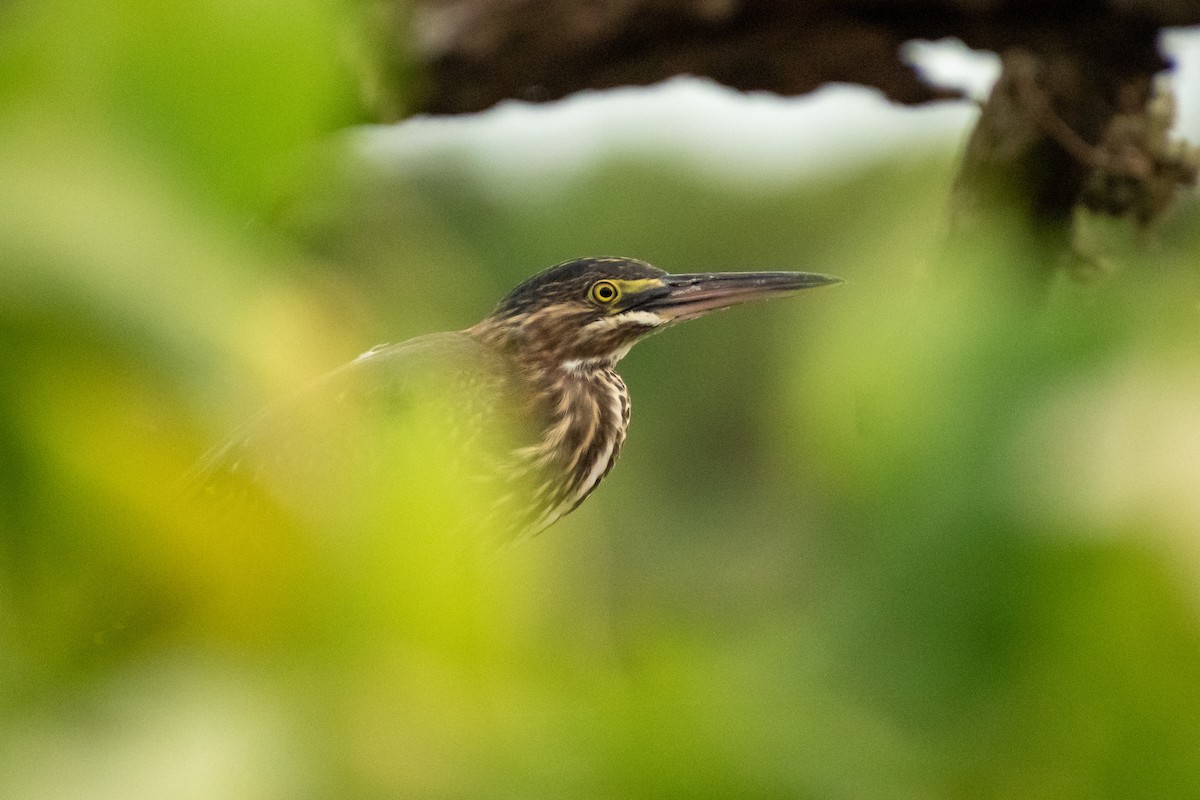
point(593, 310)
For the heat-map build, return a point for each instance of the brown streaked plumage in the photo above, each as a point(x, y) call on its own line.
point(546, 357)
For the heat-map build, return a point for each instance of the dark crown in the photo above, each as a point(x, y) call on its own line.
point(570, 281)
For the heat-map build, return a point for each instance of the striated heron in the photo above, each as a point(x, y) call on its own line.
point(544, 358)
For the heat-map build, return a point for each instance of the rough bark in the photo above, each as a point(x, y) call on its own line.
point(475, 53)
point(1074, 121)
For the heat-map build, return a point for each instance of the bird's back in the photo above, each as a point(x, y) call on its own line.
point(435, 414)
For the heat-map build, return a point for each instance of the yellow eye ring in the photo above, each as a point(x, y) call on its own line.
point(604, 293)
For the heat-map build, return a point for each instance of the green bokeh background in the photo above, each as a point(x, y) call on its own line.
point(918, 537)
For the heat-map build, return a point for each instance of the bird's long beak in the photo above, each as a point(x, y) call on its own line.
point(683, 297)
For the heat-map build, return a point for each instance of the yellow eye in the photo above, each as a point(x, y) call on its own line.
point(604, 292)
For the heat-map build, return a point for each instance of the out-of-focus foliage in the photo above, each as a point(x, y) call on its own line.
point(921, 536)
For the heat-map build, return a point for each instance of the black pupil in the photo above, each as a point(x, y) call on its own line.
point(604, 291)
